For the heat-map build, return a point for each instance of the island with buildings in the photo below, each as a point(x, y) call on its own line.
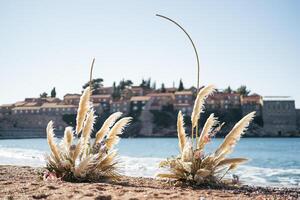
point(154, 111)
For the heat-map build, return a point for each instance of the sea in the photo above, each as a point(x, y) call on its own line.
point(272, 161)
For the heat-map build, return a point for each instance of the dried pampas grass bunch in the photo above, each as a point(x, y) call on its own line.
point(81, 159)
point(193, 165)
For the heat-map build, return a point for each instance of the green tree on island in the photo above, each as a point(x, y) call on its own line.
point(53, 93)
point(162, 89)
point(153, 85)
point(116, 92)
point(44, 95)
point(242, 90)
point(124, 84)
point(96, 85)
point(180, 87)
point(228, 90)
point(146, 84)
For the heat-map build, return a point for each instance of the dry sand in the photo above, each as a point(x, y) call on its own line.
point(26, 183)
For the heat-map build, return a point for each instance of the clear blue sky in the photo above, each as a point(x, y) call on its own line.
point(51, 43)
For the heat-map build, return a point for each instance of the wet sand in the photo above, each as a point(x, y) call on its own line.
point(26, 183)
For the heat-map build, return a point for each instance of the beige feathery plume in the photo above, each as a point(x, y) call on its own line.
point(116, 130)
point(68, 138)
point(181, 131)
point(84, 165)
point(107, 161)
point(87, 128)
point(106, 126)
point(208, 127)
point(77, 151)
point(203, 173)
point(187, 153)
point(84, 106)
point(88, 124)
point(230, 161)
point(234, 135)
point(199, 103)
point(51, 142)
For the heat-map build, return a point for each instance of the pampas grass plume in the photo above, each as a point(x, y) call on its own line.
point(116, 130)
point(181, 131)
point(51, 142)
point(199, 103)
point(106, 126)
point(84, 106)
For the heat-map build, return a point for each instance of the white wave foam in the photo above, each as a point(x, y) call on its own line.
point(269, 176)
point(148, 167)
point(17, 156)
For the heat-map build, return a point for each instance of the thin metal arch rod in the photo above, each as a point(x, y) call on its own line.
point(197, 57)
point(91, 73)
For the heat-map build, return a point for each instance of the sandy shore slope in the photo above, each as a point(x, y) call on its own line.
point(25, 183)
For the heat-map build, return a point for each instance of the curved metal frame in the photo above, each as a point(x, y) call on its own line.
point(91, 73)
point(198, 65)
point(197, 57)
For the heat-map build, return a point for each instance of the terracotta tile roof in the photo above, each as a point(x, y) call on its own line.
point(27, 108)
point(121, 101)
point(187, 92)
point(101, 96)
point(7, 105)
point(183, 105)
point(72, 96)
point(50, 99)
point(161, 95)
point(140, 98)
point(54, 105)
point(31, 104)
point(19, 103)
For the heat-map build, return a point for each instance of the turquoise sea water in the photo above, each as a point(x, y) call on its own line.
point(273, 161)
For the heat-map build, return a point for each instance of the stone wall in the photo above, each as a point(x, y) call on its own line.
point(298, 119)
point(279, 118)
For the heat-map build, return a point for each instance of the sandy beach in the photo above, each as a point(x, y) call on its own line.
point(26, 183)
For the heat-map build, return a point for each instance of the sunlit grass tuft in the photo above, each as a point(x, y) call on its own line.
point(85, 160)
point(193, 165)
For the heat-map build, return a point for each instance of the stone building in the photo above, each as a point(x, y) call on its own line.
point(120, 106)
point(103, 100)
point(138, 102)
point(5, 109)
point(105, 90)
point(184, 101)
point(158, 100)
point(221, 100)
point(251, 103)
point(72, 99)
point(137, 91)
point(279, 116)
point(171, 90)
